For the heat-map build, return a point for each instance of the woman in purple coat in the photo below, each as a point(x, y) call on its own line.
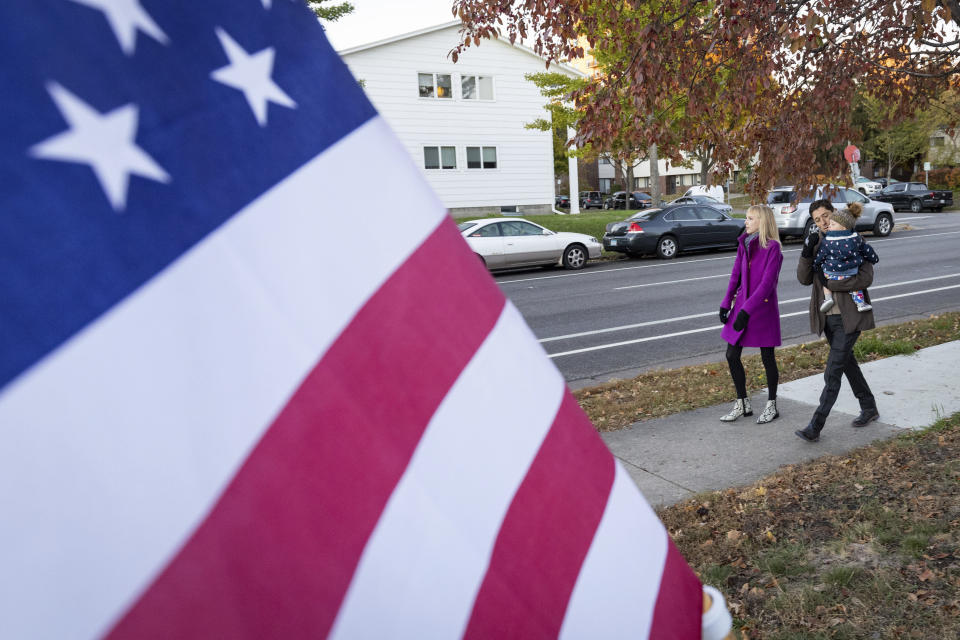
point(756, 314)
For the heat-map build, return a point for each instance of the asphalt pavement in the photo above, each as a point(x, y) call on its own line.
point(675, 457)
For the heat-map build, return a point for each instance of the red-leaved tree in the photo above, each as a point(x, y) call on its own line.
point(771, 80)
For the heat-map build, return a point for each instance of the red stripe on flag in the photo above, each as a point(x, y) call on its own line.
point(546, 534)
point(680, 592)
point(275, 556)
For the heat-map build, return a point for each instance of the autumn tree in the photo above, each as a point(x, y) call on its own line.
point(556, 88)
point(791, 66)
point(897, 142)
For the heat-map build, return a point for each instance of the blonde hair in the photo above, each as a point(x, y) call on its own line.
point(767, 227)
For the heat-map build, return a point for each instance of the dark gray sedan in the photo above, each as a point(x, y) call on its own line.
point(669, 230)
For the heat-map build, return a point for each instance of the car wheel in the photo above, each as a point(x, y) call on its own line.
point(863, 191)
point(916, 206)
point(575, 256)
point(667, 247)
point(808, 228)
point(883, 226)
point(606, 205)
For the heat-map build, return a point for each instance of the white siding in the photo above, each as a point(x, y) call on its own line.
point(524, 174)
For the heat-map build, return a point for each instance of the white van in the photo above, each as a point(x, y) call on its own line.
point(715, 192)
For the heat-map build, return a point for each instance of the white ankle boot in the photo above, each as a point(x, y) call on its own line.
point(770, 412)
point(741, 407)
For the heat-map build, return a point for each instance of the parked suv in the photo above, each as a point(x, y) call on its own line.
point(591, 200)
point(792, 213)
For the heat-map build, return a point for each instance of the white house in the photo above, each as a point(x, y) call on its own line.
point(463, 123)
point(674, 178)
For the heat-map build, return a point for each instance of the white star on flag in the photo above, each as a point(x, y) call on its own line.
point(125, 17)
point(103, 141)
point(251, 75)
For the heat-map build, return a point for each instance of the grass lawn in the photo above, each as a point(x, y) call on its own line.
point(619, 403)
point(864, 545)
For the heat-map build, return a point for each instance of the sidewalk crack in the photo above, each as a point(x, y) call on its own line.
point(656, 475)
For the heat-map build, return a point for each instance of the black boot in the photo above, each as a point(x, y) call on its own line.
point(811, 433)
point(866, 417)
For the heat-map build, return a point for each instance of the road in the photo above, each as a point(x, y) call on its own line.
point(616, 319)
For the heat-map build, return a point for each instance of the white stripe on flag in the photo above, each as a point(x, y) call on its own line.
point(617, 588)
point(198, 361)
point(424, 563)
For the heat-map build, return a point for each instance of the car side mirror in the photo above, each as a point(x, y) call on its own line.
point(720, 218)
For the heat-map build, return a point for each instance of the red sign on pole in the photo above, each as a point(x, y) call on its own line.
point(851, 153)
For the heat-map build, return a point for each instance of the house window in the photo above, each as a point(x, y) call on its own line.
point(937, 141)
point(476, 87)
point(435, 85)
point(481, 157)
point(605, 184)
point(439, 158)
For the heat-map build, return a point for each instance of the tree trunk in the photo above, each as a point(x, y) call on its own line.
point(654, 174)
point(621, 174)
point(706, 164)
point(889, 165)
point(629, 186)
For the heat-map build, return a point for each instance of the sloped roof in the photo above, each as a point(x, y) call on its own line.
point(447, 25)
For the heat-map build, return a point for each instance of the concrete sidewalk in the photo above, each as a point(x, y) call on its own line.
point(675, 457)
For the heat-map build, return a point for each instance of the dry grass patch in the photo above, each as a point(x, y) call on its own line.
point(615, 405)
point(865, 545)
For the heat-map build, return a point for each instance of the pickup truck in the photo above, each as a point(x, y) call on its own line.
point(915, 196)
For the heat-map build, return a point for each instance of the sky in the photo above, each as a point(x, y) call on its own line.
point(374, 20)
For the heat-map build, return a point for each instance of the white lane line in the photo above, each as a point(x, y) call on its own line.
point(922, 235)
point(663, 263)
point(654, 284)
point(629, 326)
point(673, 263)
point(913, 218)
point(715, 328)
point(713, 313)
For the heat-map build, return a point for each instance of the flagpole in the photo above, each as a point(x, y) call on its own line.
point(717, 622)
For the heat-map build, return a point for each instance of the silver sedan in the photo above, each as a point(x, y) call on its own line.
point(505, 243)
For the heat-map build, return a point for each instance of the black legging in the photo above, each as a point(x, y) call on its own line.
point(740, 376)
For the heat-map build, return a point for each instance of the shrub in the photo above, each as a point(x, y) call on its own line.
point(945, 178)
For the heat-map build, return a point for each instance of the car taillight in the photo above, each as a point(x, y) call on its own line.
point(930, 195)
point(635, 228)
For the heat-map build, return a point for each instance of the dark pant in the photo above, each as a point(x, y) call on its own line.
point(734, 351)
point(841, 362)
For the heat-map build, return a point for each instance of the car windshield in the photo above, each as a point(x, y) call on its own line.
point(463, 226)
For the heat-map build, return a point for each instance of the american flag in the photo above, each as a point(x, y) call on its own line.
point(235, 403)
